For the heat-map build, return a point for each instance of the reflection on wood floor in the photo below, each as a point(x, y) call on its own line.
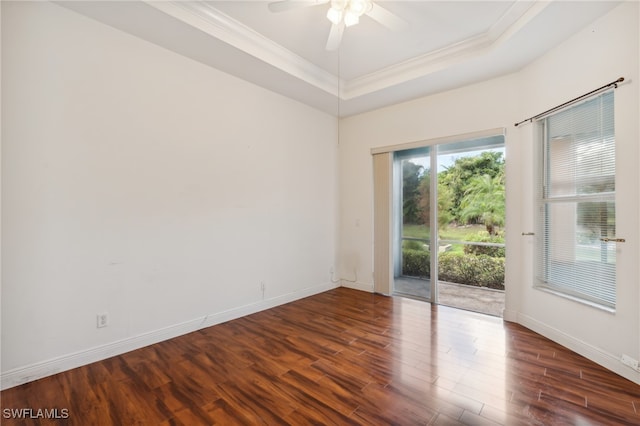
point(342, 357)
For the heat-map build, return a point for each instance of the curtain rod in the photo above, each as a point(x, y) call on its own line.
point(613, 83)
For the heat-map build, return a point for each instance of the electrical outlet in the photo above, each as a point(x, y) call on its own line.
point(627, 360)
point(102, 320)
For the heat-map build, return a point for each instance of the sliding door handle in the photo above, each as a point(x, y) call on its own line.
point(612, 240)
point(528, 233)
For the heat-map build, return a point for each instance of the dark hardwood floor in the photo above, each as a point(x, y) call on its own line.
point(341, 357)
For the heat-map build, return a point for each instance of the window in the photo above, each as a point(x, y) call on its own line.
point(577, 203)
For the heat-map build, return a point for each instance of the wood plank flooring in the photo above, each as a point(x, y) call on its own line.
point(342, 357)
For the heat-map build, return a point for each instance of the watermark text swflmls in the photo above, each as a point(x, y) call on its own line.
point(35, 413)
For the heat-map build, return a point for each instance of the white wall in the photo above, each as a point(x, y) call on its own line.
point(597, 55)
point(146, 185)
point(600, 53)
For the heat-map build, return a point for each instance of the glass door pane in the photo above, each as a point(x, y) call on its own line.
point(412, 272)
point(471, 216)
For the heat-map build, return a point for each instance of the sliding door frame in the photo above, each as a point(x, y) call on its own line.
point(384, 238)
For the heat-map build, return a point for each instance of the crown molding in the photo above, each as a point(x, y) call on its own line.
point(207, 18)
point(512, 21)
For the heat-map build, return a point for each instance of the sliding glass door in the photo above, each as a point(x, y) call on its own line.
point(449, 224)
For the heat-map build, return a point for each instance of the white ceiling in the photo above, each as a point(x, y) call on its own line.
point(446, 44)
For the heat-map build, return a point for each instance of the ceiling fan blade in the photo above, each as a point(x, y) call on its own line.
point(386, 18)
point(335, 36)
point(284, 5)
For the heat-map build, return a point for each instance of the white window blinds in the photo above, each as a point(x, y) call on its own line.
point(576, 201)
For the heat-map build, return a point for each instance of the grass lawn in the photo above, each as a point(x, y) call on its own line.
point(415, 231)
point(459, 233)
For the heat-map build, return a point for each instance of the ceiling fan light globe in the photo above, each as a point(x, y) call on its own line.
point(359, 7)
point(334, 15)
point(350, 18)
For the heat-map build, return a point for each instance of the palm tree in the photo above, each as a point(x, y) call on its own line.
point(484, 201)
point(445, 198)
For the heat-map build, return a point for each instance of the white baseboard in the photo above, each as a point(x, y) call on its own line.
point(509, 315)
point(50, 367)
point(597, 355)
point(368, 287)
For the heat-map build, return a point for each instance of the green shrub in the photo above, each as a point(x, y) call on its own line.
point(455, 268)
point(477, 270)
point(416, 263)
point(484, 237)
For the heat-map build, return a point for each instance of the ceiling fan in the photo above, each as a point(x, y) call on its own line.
point(344, 13)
